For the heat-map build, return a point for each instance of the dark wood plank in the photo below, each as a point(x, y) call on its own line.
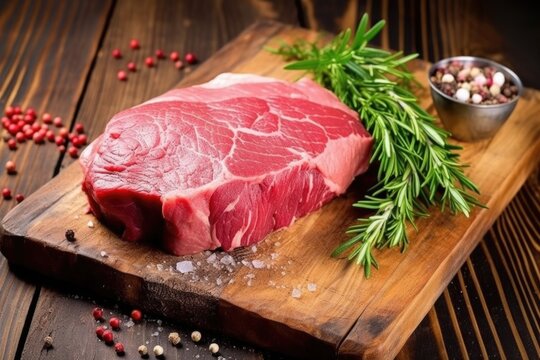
point(438, 29)
point(46, 49)
point(442, 28)
point(201, 27)
point(389, 306)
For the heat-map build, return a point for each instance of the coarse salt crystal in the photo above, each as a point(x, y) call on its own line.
point(104, 254)
point(227, 260)
point(277, 244)
point(246, 263)
point(219, 281)
point(90, 224)
point(212, 258)
point(155, 334)
point(254, 248)
point(312, 287)
point(274, 256)
point(296, 293)
point(258, 264)
point(185, 266)
point(159, 267)
point(130, 323)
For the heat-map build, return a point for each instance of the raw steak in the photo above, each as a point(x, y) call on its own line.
point(224, 163)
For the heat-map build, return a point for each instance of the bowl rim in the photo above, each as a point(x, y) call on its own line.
point(468, 58)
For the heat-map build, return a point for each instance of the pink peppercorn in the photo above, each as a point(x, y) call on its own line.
point(122, 75)
point(57, 121)
point(108, 336)
point(83, 139)
point(119, 348)
point(160, 54)
point(59, 140)
point(75, 142)
point(19, 197)
point(6, 122)
point(62, 149)
point(47, 118)
point(179, 65)
point(117, 54)
point(50, 135)
point(11, 168)
point(79, 128)
point(174, 56)
point(17, 110)
point(134, 44)
point(99, 331)
point(6, 193)
point(131, 66)
point(29, 119)
point(190, 58)
point(38, 138)
point(149, 61)
point(29, 133)
point(13, 129)
point(20, 137)
point(115, 323)
point(63, 132)
point(36, 127)
point(73, 152)
point(9, 111)
point(12, 144)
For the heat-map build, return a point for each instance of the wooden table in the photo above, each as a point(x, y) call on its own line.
point(55, 57)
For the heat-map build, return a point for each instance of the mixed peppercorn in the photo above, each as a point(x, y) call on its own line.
point(474, 84)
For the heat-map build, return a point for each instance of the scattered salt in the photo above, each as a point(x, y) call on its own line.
point(130, 323)
point(159, 322)
point(283, 273)
point(246, 263)
point(312, 287)
point(296, 293)
point(104, 254)
point(211, 259)
point(274, 256)
point(219, 281)
point(227, 260)
point(249, 282)
point(231, 281)
point(258, 264)
point(271, 283)
point(159, 267)
point(184, 266)
point(254, 248)
point(250, 276)
point(277, 244)
point(90, 224)
point(155, 334)
point(160, 329)
point(198, 263)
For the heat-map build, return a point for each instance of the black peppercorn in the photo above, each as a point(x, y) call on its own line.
point(70, 235)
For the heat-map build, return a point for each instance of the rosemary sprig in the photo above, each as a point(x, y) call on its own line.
point(417, 166)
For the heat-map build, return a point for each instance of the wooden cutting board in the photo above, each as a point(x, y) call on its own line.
point(338, 312)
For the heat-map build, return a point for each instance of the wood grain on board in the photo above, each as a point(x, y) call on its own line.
point(346, 314)
point(198, 26)
point(36, 49)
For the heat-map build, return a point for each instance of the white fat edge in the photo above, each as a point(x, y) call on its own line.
point(228, 79)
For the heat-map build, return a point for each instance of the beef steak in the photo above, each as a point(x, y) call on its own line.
point(224, 163)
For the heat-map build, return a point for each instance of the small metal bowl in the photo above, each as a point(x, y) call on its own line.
point(472, 122)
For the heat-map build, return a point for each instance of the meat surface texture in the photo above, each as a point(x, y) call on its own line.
point(224, 163)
